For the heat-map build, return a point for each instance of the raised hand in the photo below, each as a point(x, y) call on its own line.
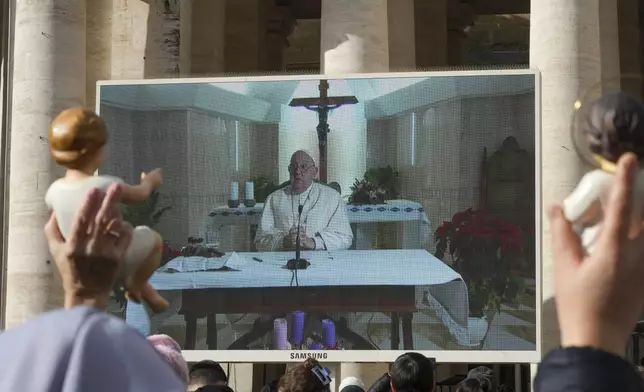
point(155, 177)
point(600, 297)
point(90, 258)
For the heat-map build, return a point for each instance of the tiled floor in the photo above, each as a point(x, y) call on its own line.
point(512, 329)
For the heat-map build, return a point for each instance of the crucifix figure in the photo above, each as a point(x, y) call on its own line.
point(322, 105)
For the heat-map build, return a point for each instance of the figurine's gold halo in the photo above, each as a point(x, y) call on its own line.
point(630, 83)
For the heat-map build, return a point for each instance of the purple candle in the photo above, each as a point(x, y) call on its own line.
point(316, 346)
point(280, 328)
point(297, 329)
point(329, 333)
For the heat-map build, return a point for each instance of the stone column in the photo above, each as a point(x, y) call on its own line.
point(354, 36)
point(460, 16)
point(244, 35)
point(98, 52)
point(186, 23)
point(48, 76)
point(354, 39)
point(431, 33)
point(278, 24)
point(145, 39)
point(202, 37)
point(565, 47)
point(402, 32)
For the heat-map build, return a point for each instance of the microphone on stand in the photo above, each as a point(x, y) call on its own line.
point(298, 263)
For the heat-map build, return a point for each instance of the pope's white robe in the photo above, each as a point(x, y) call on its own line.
point(324, 218)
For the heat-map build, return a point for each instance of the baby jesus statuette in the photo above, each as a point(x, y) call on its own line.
point(613, 125)
point(77, 140)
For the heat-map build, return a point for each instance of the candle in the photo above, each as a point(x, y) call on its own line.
point(297, 330)
point(234, 191)
point(329, 333)
point(280, 328)
point(250, 190)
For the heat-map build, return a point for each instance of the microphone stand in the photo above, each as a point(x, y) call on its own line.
point(298, 263)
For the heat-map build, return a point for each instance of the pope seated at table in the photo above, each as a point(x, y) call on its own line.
point(318, 208)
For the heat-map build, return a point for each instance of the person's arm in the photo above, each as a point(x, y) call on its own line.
point(94, 300)
point(580, 202)
point(268, 238)
point(337, 235)
point(585, 369)
point(140, 193)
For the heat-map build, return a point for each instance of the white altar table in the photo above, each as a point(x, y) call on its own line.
point(436, 285)
point(416, 228)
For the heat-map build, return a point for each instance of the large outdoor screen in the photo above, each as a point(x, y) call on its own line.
point(348, 219)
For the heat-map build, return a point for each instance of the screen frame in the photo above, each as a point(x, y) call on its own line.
point(386, 356)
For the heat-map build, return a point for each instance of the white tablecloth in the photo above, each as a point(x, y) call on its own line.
point(437, 285)
point(414, 235)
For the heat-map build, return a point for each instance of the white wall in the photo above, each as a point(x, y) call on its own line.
point(449, 140)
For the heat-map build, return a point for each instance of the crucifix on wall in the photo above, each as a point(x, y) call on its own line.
point(322, 105)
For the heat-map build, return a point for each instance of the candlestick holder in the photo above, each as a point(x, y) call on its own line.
point(233, 203)
point(249, 203)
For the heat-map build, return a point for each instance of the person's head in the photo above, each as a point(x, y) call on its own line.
point(302, 170)
point(479, 379)
point(412, 372)
point(305, 377)
point(470, 385)
point(206, 373)
point(77, 138)
point(171, 351)
point(351, 384)
point(383, 384)
point(270, 386)
point(614, 125)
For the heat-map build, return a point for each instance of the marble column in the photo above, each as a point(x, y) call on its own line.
point(354, 36)
point(48, 76)
point(202, 37)
point(565, 47)
point(431, 33)
point(355, 39)
point(145, 39)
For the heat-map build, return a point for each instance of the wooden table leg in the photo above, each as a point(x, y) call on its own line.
point(395, 331)
point(408, 335)
point(191, 332)
point(211, 331)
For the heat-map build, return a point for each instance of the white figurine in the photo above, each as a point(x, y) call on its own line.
point(77, 140)
point(614, 125)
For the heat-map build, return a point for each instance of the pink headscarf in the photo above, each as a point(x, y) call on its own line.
point(171, 351)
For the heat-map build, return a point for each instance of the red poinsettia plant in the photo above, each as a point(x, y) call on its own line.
point(486, 251)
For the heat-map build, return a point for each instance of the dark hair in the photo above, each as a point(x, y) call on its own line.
point(301, 378)
point(412, 372)
point(208, 373)
point(382, 384)
point(471, 385)
point(479, 379)
point(214, 388)
point(270, 387)
point(614, 125)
